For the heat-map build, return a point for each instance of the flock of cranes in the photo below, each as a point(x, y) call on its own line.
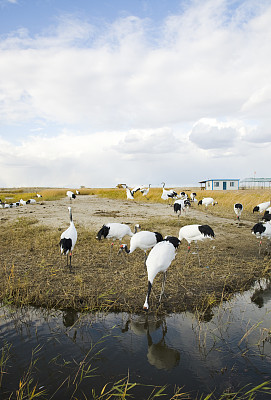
point(162, 251)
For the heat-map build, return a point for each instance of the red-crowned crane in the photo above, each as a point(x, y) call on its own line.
point(145, 191)
point(261, 230)
point(159, 259)
point(261, 207)
point(129, 194)
point(115, 231)
point(195, 233)
point(181, 205)
point(168, 194)
point(143, 240)
point(71, 195)
point(238, 208)
point(206, 201)
point(68, 239)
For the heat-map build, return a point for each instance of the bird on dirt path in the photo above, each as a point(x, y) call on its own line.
point(261, 230)
point(71, 195)
point(68, 239)
point(159, 259)
point(195, 233)
point(181, 205)
point(143, 240)
point(238, 208)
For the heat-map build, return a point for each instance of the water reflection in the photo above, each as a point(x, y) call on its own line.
point(159, 354)
point(262, 294)
point(70, 316)
point(231, 349)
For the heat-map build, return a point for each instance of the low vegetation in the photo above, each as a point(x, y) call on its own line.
point(34, 273)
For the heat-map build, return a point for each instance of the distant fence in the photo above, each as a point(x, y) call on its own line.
point(253, 183)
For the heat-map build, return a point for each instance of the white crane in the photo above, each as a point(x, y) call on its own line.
point(115, 231)
point(238, 208)
point(68, 239)
point(22, 202)
point(181, 205)
point(31, 201)
point(261, 230)
point(71, 195)
point(261, 207)
point(143, 240)
point(159, 259)
point(77, 192)
point(167, 193)
point(193, 196)
point(145, 191)
point(129, 193)
point(207, 201)
point(136, 189)
point(39, 195)
point(195, 233)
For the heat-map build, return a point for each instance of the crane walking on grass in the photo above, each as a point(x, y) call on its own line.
point(194, 233)
point(68, 239)
point(159, 259)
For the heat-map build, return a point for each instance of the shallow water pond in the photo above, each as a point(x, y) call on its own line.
point(68, 354)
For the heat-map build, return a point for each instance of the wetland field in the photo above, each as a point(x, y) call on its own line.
point(108, 292)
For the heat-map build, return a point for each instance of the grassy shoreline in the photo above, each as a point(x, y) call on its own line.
point(32, 271)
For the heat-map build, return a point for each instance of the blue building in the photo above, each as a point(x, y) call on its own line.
point(220, 184)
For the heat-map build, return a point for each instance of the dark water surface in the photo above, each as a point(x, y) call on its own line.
point(230, 350)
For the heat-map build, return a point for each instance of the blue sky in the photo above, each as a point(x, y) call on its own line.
point(95, 93)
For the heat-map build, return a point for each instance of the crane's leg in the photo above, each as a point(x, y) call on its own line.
point(70, 261)
point(197, 247)
point(145, 259)
point(188, 251)
point(110, 254)
point(123, 256)
point(260, 246)
point(163, 286)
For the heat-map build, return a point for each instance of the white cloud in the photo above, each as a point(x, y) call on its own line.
point(211, 134)
point(131, 100)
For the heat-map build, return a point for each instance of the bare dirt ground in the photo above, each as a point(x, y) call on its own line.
point(32, 271)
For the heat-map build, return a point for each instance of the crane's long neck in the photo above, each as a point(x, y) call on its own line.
point(70, 212)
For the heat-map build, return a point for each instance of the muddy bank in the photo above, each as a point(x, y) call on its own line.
point(32, 271)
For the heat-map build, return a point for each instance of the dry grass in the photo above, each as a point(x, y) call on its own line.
point(33, 272)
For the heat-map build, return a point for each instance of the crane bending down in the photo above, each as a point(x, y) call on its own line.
point(207, 201)
point(68, 239)
point(71, 195)
point(159, 259)
point(115, 231)
point(238, 208)
point(261, 230)
point(261, 207)
point(143, 240)
point(194, 233)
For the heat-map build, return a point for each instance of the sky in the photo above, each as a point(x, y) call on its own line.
point(96, 93)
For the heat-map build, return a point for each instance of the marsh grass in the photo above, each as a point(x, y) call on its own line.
point(33, 272)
